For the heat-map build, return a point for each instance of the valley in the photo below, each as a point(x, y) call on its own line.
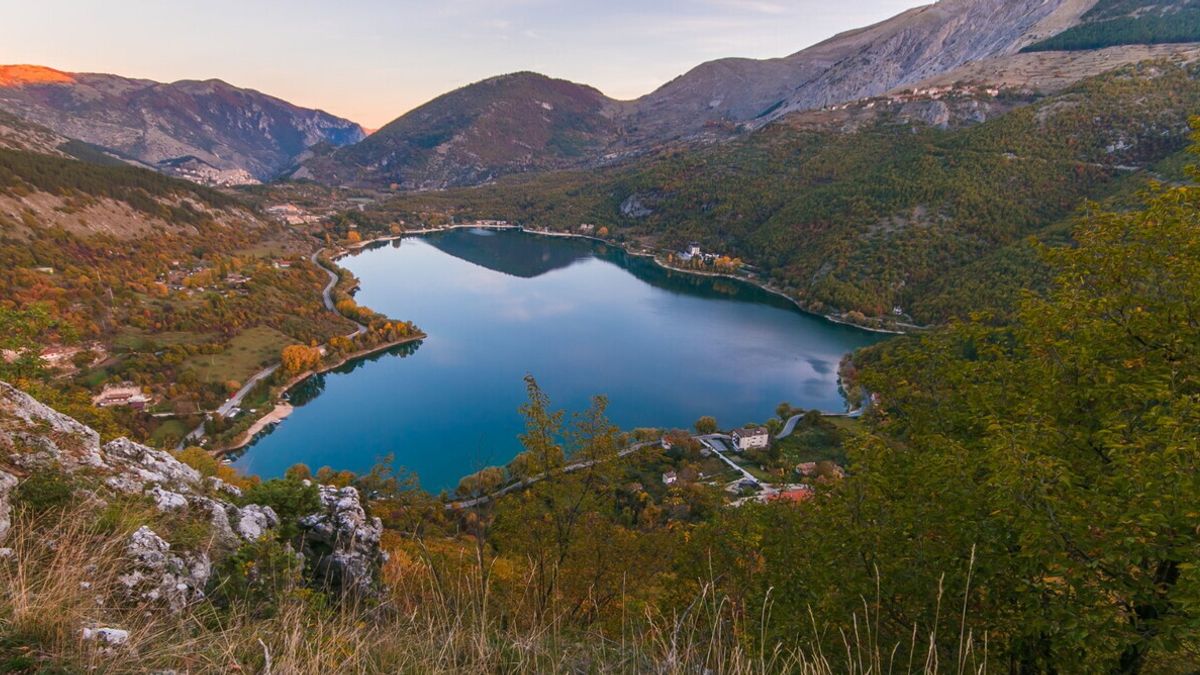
point(583, 318)
point(879, 356)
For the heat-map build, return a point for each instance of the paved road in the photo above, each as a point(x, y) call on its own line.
point(327, 293)
point(790, 425)
point(520, 485)
point(236, 400)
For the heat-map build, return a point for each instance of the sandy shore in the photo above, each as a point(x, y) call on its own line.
point(283, 409)
point(280, 412)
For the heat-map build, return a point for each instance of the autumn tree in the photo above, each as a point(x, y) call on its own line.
point(20, 341)
point(1042, 474)
point(558, 524)
point(300, 358)
point(706, 425)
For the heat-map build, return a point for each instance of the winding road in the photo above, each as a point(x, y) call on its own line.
point(524, 483)
point(327, 293)
point(236, 400)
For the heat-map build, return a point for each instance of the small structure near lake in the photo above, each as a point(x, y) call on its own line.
point(750, 438)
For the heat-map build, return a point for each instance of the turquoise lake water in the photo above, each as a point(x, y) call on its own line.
point(582, 318)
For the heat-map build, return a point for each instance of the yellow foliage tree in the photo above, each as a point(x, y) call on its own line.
point(299, 358)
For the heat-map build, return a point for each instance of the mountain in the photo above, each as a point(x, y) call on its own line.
point(209, 131)
point(918, 202)
point(527, 122)
point(507, 124)
point(915, 45)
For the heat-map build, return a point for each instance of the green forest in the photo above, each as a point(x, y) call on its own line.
point(1128, 22)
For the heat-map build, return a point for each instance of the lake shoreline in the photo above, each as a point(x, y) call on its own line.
point(449, 279)
point(359, 247)
point(283, 409)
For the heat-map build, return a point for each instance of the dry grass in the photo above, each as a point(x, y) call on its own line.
point(63, 575)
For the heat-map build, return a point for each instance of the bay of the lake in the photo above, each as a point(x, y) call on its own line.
point(582, 318)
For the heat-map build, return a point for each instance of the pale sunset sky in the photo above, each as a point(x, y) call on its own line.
point(372, 60)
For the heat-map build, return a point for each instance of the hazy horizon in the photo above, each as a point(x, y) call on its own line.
point(371, 61)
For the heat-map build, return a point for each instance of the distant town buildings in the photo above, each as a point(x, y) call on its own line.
point(292, 214)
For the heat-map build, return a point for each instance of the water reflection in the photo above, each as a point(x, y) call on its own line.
point(584, 318)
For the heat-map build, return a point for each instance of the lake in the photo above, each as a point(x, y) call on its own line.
point(581, 317)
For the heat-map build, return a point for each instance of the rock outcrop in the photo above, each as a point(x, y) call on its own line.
point(339, 540)
point(342, 543)
point(157, 574)
point(7, 483)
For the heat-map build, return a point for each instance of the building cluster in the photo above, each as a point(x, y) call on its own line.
point(923, 94)
point(201, 172)
point(291, 214)
point(62, 357)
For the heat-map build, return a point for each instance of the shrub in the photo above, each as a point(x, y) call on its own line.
point(290, 498)
point(43, 492)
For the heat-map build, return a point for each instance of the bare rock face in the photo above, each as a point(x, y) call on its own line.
point(342, 542)
point(159, 575)
point(906, 49)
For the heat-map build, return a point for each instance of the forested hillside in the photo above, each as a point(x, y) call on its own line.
point(134, 276)
point(1129, 22)
point(894, 213)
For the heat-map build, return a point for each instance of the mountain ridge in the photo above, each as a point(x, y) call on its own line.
point(244, 135)
point(715, 100)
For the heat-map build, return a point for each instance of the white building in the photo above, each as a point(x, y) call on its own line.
point(750, 438)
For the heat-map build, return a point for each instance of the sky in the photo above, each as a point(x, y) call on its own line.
point(373, 60)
